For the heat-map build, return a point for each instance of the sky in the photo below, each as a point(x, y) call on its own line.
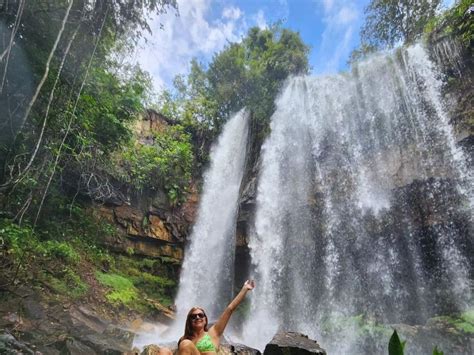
point(203, 27)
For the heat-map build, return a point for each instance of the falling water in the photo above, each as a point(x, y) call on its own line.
point(363, 205)
point(207, 273)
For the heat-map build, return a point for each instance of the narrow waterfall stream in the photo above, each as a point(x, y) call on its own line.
point(207, 273)
point(364, 206)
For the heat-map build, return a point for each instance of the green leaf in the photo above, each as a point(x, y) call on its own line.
point(436, 351)
point(395, 346)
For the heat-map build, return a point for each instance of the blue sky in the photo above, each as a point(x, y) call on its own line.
point(204, 27)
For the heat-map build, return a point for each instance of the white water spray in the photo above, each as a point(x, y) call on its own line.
point(339, 229)
point(207, 272)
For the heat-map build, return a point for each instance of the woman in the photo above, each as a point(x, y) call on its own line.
point(197, 339)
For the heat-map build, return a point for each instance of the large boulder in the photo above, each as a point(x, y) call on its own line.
point(291, 343)
point(230, 348)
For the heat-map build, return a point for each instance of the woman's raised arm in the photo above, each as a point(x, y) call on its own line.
point(221, 323)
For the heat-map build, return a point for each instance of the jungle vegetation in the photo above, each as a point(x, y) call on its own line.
point(68, 104)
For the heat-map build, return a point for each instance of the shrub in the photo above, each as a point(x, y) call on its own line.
point(165, 164)
point(15, 238)
point(61, 250)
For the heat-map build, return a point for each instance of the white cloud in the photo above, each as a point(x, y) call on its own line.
point(341, 25)
point(232, 13)
point(193, 33)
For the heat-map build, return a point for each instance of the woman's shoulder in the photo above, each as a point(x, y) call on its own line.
point(184, 337)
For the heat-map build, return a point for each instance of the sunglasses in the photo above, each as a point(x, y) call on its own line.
point(197, 316)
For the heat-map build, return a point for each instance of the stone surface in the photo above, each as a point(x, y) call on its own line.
point(190, 207)
point(237, 349)
point(50, 327)
point(10, 345)
point(148, 247)
point(136, 223)
point(290, 343)
point(142, 232)
point(241, 239)
point(130, 218)
point(151, 123)
point(157, 229)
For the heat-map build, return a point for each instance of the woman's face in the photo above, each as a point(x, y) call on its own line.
point(198, 318)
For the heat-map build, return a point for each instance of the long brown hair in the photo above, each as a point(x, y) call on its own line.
point(188, 328)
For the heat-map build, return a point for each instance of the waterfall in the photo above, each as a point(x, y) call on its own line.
point(364, 205)
point(207, 272)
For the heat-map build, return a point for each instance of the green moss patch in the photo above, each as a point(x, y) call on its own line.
point(122, 289)
point(68, 283)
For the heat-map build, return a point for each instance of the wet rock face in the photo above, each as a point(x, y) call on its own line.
point(290, 343)
point(457, 63)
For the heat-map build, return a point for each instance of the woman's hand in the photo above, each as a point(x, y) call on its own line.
point(218, 328)
point(249, 285)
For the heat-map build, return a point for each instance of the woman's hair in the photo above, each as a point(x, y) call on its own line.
point(188, 328)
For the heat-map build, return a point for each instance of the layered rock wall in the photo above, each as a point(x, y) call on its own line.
point(147, 223)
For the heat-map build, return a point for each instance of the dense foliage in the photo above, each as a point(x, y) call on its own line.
point(389, 22)
point(457, 22)
point(67, 112)
point(165, 163)
point(67, 106)
point(246, 74)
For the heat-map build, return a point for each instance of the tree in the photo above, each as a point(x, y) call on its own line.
point(391, 21)
point(64, 105)
point(249, 73)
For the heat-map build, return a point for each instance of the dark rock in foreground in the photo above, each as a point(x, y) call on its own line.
point(237, 349)
point(290, 343)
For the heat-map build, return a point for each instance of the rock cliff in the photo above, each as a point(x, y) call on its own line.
point(148, 224)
